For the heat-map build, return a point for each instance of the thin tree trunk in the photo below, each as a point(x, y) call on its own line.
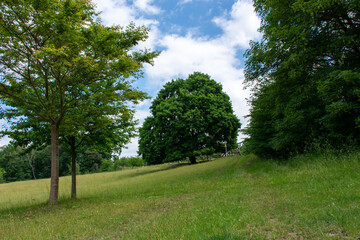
point(30, 159)
point(54, 186)
point(73, 167)
point(192, 159)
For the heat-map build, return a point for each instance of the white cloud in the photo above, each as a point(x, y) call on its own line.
point(240, 26)
point(131, 148)
point(185, 1)
point(145, 6)
point(153, 38)
point(4, 141)
point(190, 1)
point(118, 12)
point(141, 115)
point(185, 55)
point(115, 12)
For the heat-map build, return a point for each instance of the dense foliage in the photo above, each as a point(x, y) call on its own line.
point(305, 75)
point(128, 162)
point(17, 164)
point(190, 117)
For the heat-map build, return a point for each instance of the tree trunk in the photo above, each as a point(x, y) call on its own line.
point(54, 186)
point(31, 157)
point(192, 159)
point(73, 167)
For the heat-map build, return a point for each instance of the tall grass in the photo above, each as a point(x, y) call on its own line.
point(313, 196)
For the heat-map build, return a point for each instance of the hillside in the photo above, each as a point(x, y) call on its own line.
point(310, 197)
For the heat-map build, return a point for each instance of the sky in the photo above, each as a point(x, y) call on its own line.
point(208, 36)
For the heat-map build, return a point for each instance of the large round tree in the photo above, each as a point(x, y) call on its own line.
point(190, 117)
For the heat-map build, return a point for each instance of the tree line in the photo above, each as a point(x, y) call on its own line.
point(305, 76)
point(18, 164)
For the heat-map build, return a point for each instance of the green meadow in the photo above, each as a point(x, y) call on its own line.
point(314, 196)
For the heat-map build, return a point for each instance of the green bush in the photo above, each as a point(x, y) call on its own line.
point(106, 165)
point(2, 173)
point(117, 164)
point(128, 162)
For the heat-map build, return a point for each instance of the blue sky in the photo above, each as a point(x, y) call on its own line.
point(209, 36)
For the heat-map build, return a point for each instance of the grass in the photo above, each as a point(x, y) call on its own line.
point(309, 197)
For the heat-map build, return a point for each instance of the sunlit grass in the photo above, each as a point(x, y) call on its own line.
point(310, 197)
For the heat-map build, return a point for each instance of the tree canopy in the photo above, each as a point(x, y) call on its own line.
point(190, 117)
point(305, 75)
point(53, 54)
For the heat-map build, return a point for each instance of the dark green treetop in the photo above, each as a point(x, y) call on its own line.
point(190, 117)
point(305, 75)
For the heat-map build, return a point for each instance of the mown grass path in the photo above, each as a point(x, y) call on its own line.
point(311, 197)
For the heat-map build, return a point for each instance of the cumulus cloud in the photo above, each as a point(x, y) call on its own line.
point(119, 12)
point(185, 55)
point(4, 141)
point(185, 1)
point(190, 1)
point(141, 115)
point(240, 25)
point(115, 12)
point(145, 6)
point(132, 147)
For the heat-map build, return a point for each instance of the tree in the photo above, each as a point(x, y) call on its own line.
point(190, 117)
point(52, 53)
point(107, 125)
point(305, 75)
point(15, 164)
point(2, 173)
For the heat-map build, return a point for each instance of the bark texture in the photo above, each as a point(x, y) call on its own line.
point(73, 167)
point(54, 184)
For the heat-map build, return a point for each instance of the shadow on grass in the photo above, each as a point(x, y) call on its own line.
point(225, 236)
point(169, 167)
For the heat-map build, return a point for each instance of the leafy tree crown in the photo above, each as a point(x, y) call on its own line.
point(190, 117)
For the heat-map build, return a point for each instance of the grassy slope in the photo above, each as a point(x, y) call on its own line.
point(312, 197)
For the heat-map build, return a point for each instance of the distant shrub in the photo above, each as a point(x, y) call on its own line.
point(117, 164)
point(128, 162)
point(70, 169)
point(106, 165)
point(216, 155)
point(94, 168)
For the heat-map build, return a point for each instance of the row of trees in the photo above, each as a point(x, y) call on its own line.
point(65, 77)
point(18, 164)
point(305, 76)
